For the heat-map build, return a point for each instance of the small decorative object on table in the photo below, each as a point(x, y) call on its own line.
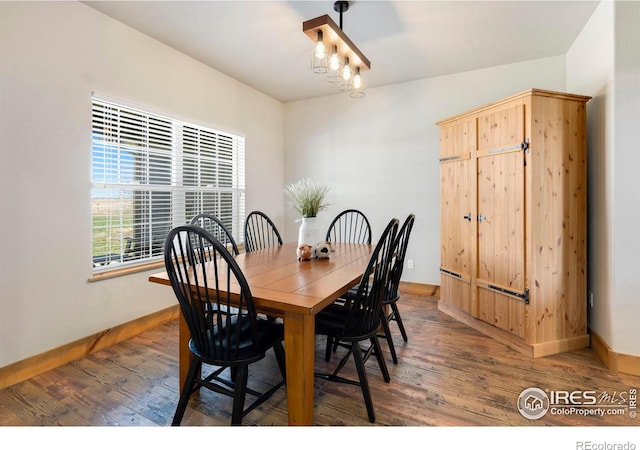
point(323, 250)
point(304, 252)
point(308, 198)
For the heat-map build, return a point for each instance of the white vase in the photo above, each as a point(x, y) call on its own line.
point(309, 232)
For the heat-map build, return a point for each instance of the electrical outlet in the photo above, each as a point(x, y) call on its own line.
point(410, 264)
point(590, 299)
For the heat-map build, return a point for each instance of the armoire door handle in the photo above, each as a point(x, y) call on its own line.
point(467, 217)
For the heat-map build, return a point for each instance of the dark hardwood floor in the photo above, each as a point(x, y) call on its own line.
point(447, 375)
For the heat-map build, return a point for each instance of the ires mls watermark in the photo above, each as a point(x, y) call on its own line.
point(534, 403)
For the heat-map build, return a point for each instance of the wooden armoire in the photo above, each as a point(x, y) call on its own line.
point(513, 186)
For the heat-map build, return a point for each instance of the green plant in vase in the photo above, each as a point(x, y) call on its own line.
point(308, 198)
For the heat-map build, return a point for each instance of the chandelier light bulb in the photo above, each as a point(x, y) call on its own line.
point(347, 76)
point(334, 61)
point(320, 51)
point(357, 85)
point(346, 70)
point(319, 56)
point(334, 75)
point(357, 81)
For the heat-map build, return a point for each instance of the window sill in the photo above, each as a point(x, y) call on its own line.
point(126, 271)
point(113, 273)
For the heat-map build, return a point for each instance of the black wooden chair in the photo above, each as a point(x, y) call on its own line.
point(225, 331)
point(358, 320)
point(260, 232)
point(350, 225)
point(390, 310)
point(217, 229)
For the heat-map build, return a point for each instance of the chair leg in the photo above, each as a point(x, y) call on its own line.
point(242, 374)
point(280, 357)
point(335, 345)
point(387, 335)
point(396, 316)
point(364, 383)
point(194, 369)
point(383, 365)
point(327, 352)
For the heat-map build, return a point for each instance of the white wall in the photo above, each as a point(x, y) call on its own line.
point(380, 153)
point(626, 193)
point(604, 62)
point(53, 55)
point(596, 43)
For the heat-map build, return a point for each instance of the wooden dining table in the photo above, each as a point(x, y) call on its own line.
point(296, 291)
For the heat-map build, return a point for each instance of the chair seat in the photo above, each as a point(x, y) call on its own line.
point(331, 322)
point(268, 333)
point(353, 293)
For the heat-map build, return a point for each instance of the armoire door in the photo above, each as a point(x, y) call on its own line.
point(456, 213)
point(501, 292)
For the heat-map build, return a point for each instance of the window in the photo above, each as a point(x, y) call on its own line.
point(150, 173)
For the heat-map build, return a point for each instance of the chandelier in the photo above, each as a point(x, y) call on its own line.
point(334, 54)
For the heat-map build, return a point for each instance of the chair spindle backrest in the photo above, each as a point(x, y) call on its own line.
point(399, 252)
point(350, 225)
point(217, 229)
point(260, 232)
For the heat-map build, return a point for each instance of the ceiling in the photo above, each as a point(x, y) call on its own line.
point(261, 43)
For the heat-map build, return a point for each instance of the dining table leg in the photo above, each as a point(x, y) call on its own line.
point(299, 344)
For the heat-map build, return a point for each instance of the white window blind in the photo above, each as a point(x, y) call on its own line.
point(151, 173)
